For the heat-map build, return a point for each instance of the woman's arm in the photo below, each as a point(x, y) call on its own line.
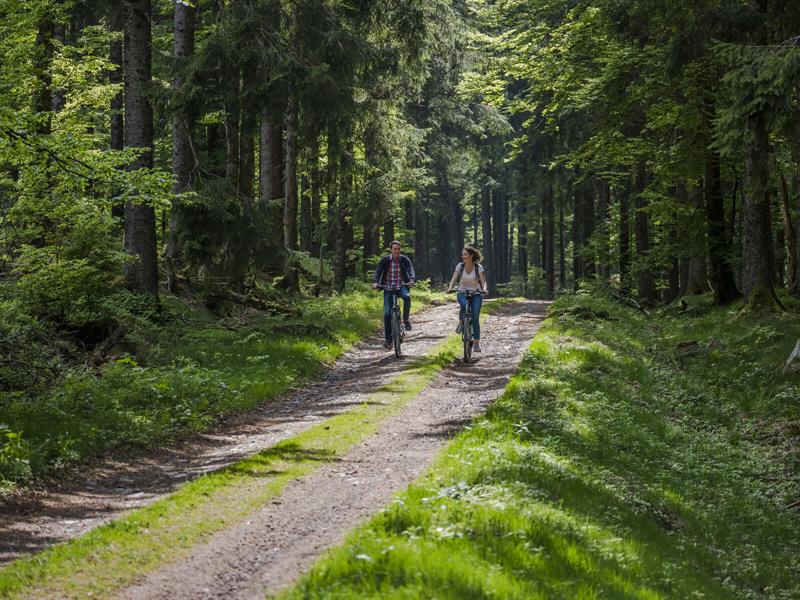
point(452, 280)
point(483, 281)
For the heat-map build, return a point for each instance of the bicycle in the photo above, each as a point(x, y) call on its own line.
point(466, 327)
point(398, 327)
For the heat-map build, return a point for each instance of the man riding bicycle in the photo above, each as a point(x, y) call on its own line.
point(394, 274)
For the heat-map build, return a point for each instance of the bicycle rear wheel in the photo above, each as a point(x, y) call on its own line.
point(466, 336)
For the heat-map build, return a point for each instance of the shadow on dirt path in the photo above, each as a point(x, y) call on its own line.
point(273, 546)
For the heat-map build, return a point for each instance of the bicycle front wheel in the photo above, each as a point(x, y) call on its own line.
point(397, 335)
point(466, 336)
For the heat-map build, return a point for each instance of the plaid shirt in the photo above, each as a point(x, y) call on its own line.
point(393, 281)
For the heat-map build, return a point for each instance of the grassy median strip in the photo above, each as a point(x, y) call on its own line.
point(618, 464)
point(114, 555)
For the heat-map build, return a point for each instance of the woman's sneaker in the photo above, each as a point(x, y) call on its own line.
point(460, 327)
point(476, 346)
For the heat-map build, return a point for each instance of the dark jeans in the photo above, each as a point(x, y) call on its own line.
point(477, 302)
point(388, 301)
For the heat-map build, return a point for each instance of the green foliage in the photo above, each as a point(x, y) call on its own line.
point(190, 373)
point(623, 461)
point(15, 458)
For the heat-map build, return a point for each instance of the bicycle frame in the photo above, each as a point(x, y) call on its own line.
point(398, 328)
point(466, 328)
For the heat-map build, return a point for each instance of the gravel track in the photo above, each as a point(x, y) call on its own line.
point(89, 497)
point(273, 546)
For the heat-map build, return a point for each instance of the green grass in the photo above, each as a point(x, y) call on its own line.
point(113, 556)
point(193, 372)
point(616, 465)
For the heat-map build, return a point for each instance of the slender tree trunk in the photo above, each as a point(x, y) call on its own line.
point(271, 190)
point(587, 231)
point(603, 215)
point(388, 232)
point(182, 123)
point(292, 278)
point(757, 259)
point(342, 237)
point(549, 235)
point(232, 118)
point(562, 247)
point(645, 283)
point(536, 237)
point(316, 198)
point(486, 223)
point(290, 176)
point(421, 247)
point(789, 235)
point(141, 274)
point(719, 247)
point(116, 24)
point(623, 193)
point(306, 225)
point(522, 237)
point(796, 289)
point(577, 236)
point(497, 229)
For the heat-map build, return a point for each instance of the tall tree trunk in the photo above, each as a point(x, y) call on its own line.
point(497, 229)
point(182, 123)
point(486, 223)
point(290, 176)
point(388, 232)
point(562, 247)
point(232, 116)
point(757, 258)
point(342, 237)
point(587, 231)
point(421, 246)
point(645, 283)
point(623, 192)
point(116, 23)
point(522, 235)
point(549, 248)
point(141, 274)
point(316, 198)
point(603, 215)
point(271, 190)
point(789, 235)
point(719, 247)
point(577, 236)
point(306, 226)
point(536, 237)
point(291, 275)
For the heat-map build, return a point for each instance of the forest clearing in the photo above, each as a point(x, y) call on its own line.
point(229, 367)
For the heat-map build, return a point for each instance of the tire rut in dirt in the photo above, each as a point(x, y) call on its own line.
point(96, 495)
point(273, 546)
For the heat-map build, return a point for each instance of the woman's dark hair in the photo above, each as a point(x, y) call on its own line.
point(474, 253)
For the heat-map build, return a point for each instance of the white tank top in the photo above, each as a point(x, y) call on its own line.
point(469, 281)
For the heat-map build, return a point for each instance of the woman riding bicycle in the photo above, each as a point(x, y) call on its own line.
point(471, 277)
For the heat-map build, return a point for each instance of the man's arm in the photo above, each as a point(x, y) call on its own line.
point(378, 274)
point(411, 275)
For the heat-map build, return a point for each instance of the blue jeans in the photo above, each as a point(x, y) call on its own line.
point(477, 302)
point(388, 301)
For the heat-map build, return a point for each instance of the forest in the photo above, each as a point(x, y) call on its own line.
point(194, 196)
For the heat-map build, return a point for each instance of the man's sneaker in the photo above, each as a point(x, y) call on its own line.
point(476, 346)
point(387, 345)
point(407, 325)
point(460, 327)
